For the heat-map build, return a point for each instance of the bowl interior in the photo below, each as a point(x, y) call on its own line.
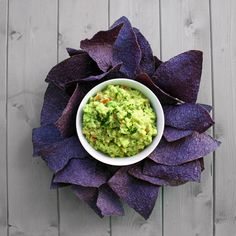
point(124, 160)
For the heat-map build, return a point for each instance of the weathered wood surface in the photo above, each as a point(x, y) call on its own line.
point(33, 37)
point(224, 75)
point(32, 50)
point(3, 118)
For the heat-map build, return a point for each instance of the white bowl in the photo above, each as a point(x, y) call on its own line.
point(123, 161)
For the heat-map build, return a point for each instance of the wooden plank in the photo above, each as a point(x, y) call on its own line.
point(32, 52)
point(224, 71)
point(3, 156)
point(78, 20)
point(144, 16)
point(188, 209)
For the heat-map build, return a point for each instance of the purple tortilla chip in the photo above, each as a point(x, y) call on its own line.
point(88, 195)
point(59, 154)
point(110, 74)
point(126, 49)
point(136, 172)
point(188, 116)
point(100, 47)
point(190, 171)
point(184, 150)
point(172, 134)
point(70, 88)
point(147, 64)
point(139, 195)
point(72, 70)
point(207, 107)
point(55, 101)
point(66, 122)
point(163, 97)
point(157, 62)
point(44, 136)
point(57, 185)
point(108, 202)
point(180, 76)
point(85, 172)
point(72, 51)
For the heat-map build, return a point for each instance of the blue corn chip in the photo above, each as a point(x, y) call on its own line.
point(59, 154)
point(44, 136)
point(139, 195)
point(136, 172)
point(163, 97)
point(190, 171)
point(110, 74)
point(108, 202)
point(172, 134)
point(57, 185)
point(72, 51)
point(72, 70)
point(66, 122)
point(85, 172)
point(100, 47)
point(206, 106)
point(188, 116)
point(157, 62)
point(180, 76)
point(184, 150)
point(147, 64)
point(88, 195)
point(126, 49)
point(55, 101)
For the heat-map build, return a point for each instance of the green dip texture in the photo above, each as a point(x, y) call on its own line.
point(119, 121)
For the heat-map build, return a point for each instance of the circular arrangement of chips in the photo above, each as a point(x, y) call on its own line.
point(122, 51)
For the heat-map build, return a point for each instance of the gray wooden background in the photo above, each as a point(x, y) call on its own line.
point(33, 38)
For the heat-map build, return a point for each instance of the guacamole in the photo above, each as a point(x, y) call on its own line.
point(119, 121)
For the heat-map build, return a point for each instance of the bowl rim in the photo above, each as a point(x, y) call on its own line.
point(122, 161)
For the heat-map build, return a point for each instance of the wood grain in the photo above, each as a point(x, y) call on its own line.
point(3, 118)
point(32, 52)
point(185, 25)
point(34, 47)
point(224, 71)
point(78, 20)
point(146, 18)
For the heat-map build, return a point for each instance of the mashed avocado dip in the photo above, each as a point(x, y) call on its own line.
point(119, 121)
